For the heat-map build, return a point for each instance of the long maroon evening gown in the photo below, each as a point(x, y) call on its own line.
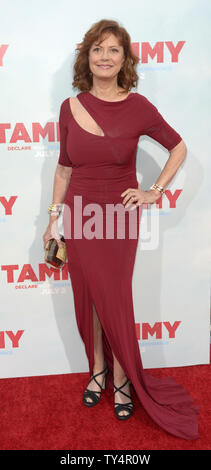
point(100, 262)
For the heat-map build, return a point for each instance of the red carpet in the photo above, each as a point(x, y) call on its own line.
point(47, 412)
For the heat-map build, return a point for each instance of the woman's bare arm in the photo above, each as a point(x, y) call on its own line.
point(176, 158)
point(61, 181)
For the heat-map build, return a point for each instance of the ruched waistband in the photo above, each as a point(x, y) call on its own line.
point(100, 189)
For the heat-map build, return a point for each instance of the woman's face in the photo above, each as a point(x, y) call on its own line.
point(106, 58)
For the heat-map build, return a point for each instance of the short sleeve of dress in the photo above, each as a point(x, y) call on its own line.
point(158, 128)
point(63, 131)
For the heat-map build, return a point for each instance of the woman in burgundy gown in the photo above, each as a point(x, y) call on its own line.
point(98, 139)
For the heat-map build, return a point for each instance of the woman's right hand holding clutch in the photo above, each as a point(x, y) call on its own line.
point(52, 231)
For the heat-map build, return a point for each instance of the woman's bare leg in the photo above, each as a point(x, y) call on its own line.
point(119, 379)
point(99, 363)
point(119, 375)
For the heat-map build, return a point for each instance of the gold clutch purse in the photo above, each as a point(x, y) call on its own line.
point(54, 255)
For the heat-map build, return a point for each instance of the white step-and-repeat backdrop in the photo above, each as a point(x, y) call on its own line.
point(38, 330)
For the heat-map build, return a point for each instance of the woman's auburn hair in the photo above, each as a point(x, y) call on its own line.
point(127, 76)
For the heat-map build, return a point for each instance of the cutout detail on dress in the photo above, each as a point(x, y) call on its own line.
point(84, 120)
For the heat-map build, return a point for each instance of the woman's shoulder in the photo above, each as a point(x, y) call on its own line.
point(65, 103)
point(65, 107)
point(143, 99)
point(145, 106)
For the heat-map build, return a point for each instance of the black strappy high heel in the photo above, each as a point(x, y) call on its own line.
point(123, 406)
point(92, 393)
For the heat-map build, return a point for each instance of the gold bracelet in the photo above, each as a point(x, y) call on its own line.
point(55, 208)
point(157, 186)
